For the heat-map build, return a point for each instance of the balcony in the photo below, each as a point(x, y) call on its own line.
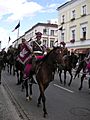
point(84, 14)
point(82, 39)
point(72, 19)
point(72, 41)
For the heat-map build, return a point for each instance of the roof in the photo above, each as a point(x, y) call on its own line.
point(65, 4)
point(43, 24)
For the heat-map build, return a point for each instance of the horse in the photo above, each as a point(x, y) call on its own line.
point(69, 63)
point(18, 66)
point(82, 66)
point(1, 65)
point(10, 60)
point(43, 71)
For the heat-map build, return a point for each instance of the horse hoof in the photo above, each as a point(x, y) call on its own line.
point(60, 81)
point(69, 84)
point(38, 105)
point(79, 89)
point(45, 115)
point(27, 98)
point(89, 90)
point(30, 97)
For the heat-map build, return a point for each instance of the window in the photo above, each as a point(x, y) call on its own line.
point(46, 31)
point(51, 43)
point(63, 19)
point(73, 15)
point(83, 10)
point(73, 34)
point(45, 42)
point(35, 31)
point(84, 32)
point(52, 32)
point(62, 36)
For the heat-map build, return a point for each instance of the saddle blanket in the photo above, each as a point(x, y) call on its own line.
point(27, 71)
point(88, 67)
point(39, 56)
point(28, 67)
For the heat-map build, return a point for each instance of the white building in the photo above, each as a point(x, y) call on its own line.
point(48, 30)
point(74, 19)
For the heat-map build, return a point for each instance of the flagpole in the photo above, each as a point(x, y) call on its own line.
point(17, 36)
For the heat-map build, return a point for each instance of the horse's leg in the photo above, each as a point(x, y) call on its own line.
point(77, 73)
point(26, 86)
point(30, 86)
point(10, 69)
point(42, 96)
point(82, 78)
point(39, 100)
point(70, 72)
point(65, 77)
point(18, 81)
point(89, 83)
point(21, 77)
point(14, 70)
point(0, 76)
point(60, 72)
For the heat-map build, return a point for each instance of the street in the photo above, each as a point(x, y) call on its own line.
point(62, 102)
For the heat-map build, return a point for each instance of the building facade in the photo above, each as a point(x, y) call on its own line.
point(74, 24)
point(48, 30)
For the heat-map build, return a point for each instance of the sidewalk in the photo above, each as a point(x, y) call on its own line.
point(7, 109)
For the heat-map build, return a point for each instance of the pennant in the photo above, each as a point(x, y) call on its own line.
point(17, 26)
point(9, 39)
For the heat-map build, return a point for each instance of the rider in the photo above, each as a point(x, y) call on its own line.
point(25, 52)
point(87, 60)
point(25, 57)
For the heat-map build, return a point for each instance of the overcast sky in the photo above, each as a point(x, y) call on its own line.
point(29, 12)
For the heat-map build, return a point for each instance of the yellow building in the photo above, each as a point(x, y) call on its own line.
point(74, 24)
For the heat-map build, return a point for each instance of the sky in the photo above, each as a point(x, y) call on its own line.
point(28, 12)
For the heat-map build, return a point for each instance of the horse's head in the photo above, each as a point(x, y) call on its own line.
point(74, 60)
point(57, 54)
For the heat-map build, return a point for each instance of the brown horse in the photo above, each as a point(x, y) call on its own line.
point(69, 63)
point(82, 66)
point(44, 74)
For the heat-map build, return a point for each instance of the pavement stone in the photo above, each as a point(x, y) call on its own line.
point(7, 109)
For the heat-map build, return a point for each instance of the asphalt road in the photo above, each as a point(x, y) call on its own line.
point(62, 102)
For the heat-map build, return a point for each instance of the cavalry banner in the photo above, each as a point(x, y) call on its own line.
point(25, 54)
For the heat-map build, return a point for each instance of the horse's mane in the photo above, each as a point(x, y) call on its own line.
point(45, 58)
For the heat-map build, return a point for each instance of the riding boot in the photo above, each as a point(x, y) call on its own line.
point(33, 81)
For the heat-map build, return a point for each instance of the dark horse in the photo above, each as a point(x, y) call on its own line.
point(1, 65)
point(69, 63)
point(82, 66)
point(10, 60)
point(44, 73)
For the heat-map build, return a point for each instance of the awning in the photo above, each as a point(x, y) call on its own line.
point(82, 50)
